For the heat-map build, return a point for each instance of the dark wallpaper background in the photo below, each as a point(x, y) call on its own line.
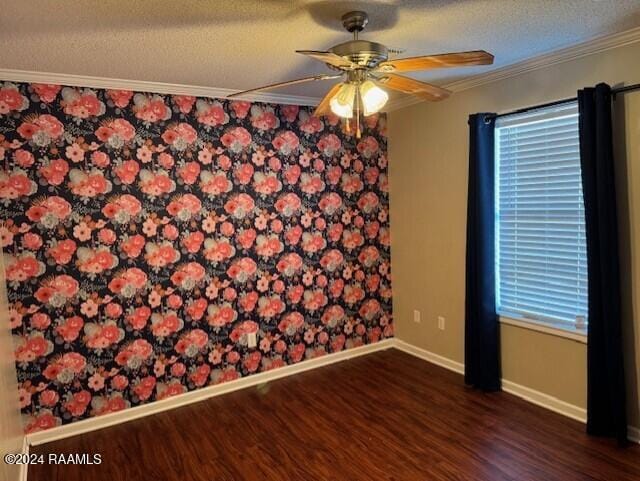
point(146, 237)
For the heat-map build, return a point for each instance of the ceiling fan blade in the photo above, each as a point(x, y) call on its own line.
point(445, 60)
point(282, 84)
point(323, 107)
point(329, 57)
point(414, 87)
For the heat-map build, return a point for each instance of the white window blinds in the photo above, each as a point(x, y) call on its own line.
point(541, 271)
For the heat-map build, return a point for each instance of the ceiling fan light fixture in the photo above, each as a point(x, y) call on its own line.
point(342, 103)
point(373, 98)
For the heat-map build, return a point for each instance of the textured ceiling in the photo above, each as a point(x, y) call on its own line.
point(240, 44)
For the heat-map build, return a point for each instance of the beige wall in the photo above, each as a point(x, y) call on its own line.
point(428, 151)
point(10, 424)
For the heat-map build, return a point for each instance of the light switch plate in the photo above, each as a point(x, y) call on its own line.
point(441, 323)
point(252, 340)
point(416, 316)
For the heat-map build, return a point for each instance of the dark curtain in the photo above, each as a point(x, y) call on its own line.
point(606, 407)
point(482, 346)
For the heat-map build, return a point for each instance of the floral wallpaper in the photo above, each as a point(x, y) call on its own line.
point(148, 239)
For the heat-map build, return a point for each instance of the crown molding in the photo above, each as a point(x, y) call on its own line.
point(567, 54)
point(590, 47)
point(146, 86)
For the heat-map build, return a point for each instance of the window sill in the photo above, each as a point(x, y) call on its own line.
point(559, 330)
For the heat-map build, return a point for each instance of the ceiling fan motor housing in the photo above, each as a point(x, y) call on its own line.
point(364, 53)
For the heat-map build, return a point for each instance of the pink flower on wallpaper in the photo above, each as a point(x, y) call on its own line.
point(115, 132)
point(184, 207)
point(188, 275)
point(65, 368)
point(165, 324)
point(240, 108)
point(311, 184)
point(266, 184)
point(218, 250)
point(290, 264)
point(11, 99)
point(128, 282)
point(214, 184)
point(55, 171)
point(236, 139)
point(189, 172)
point(23, 267)
point(264, 118)
point(290, 112)
point(291, 323)
point(57, 291)
point(161, 254)
point(211, 114)
point(221, 315)
point(370, 309)
point(95, 261)
point(310, 124)
point(32, 347)
point(46, 92)
point(108, 404)
point(286, 142)
point(156, 183)
point(243, 269)
point(133, 354)
point(268, 246)
point(41, 129)
point(180, 136)
point(192, 241)
point(333, 315)
point(270, 306)
point(122, 208)
point(69, 328)
point(243, 173)
point(120, 98)
point(88, 184)
point(368, 146)
point(192, 342)
point(329, 145)
point(138, 317)
point(288, 204)
point(239, 206)
point(184, 102)
point(81, 103)
point(351, 184)
point(369, 256)
point(150, 108)
point(101, 336)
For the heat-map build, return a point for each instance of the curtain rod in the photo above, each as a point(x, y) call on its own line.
point(619, 90)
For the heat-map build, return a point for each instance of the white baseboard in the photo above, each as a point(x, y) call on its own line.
point(429, 356)
point(546, 401)
point(130, 414)
point(531, 395)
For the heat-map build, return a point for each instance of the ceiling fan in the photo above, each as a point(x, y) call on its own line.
point(365, 67)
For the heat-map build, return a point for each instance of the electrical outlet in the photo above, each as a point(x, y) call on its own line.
point(252, 340)
point(416, 317)
point(441, 323)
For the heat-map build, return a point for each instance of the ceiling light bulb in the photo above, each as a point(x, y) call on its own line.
point(373, 97)
point(342, 103)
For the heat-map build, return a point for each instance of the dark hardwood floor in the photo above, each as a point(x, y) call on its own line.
point(385, 416)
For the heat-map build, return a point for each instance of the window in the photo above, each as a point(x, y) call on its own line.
point(541, 268)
